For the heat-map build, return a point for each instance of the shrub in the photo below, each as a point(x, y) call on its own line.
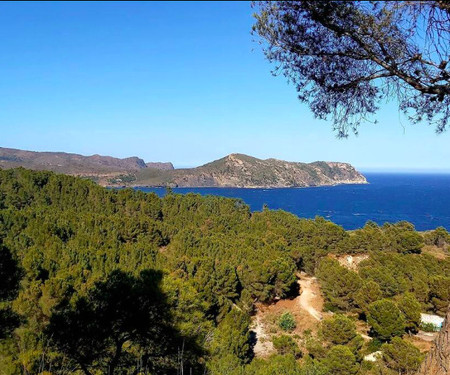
point(428, 327)
point(287, 322)
point(286, 345)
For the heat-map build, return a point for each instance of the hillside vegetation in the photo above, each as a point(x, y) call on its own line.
point(105, 281)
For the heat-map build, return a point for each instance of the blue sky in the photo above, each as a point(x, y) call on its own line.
point(180, 82)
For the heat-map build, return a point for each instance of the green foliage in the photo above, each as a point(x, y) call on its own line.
point(374, 345)
point(275, 365)
point(410, 308)
point(286, 345)
point(401, 356)
point(338, 330)
point(92, 330)
point(403, 238)
point(438, 237)
point(67, 241)
point(341, 330)
point(287, 321)
point(440, 293)
point(189, 311)
point(386, 319)
point(313, 367)
point(369, 292)
point(428, 327)
point(232, 336)
point(341, 361)
point(339, 285)
point(10, 277)
point(315, 347)
point(227, 364)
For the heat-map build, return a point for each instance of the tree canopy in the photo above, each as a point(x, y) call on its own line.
point(10, 277)
point(115, 314)
point(347, 57)
point(122, 281)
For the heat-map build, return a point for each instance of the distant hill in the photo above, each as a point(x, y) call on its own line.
point(67, 163)
point(238, 170)
point(235, 170)
point(99, 168)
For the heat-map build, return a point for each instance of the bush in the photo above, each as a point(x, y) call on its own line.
point(286, 345)
point(287, 322)
point(428, 327)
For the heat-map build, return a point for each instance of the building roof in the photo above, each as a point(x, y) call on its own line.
point(433, 319)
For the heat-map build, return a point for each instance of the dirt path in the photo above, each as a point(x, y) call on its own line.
point(306, 309)
point(426, 336)
point(263, 347)
point(308, 296)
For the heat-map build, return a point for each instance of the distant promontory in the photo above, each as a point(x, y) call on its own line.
point(234, 170)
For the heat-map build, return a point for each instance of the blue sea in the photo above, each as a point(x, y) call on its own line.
point(422, 199)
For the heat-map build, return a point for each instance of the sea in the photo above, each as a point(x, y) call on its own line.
point(421, 199)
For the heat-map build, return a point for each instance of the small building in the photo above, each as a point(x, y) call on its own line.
point(436, 320)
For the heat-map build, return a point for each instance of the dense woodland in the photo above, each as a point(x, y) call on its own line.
point(101, 281)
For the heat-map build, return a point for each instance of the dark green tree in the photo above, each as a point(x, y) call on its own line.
point(274, 365)
point(401, 356)
point(121, 321)
point(338, 330)
point(369, 292)
point(341, 361)
point(386, 319)
point(9, 283)
point(339, 285)
point(440, 293)
point(232, 336)
point(410, 308)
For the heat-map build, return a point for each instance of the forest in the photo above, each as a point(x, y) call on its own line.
point(117, 281)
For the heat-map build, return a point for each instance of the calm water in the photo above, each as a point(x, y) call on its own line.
point(421, 199)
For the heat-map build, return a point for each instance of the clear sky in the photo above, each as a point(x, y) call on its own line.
point(180, 82)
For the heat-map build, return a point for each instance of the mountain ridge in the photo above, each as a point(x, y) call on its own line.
point(240, 170)
point(233, 170)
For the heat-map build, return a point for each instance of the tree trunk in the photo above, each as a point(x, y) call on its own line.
point(437, 361)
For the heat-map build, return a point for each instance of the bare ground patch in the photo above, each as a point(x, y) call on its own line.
point(306, 309)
